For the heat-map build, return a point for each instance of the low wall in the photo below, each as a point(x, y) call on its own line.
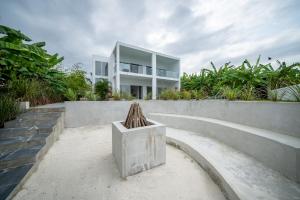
point(282, 117)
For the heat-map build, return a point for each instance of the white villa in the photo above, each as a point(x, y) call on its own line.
point(137, 71)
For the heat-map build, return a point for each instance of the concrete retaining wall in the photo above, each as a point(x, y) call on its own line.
point(282, 117)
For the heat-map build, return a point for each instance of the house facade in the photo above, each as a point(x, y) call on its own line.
point(137, 71)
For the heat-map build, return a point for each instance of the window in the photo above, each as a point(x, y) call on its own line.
point(101, 68)
point(134, 68)
point(148, 70)
point(125, 67)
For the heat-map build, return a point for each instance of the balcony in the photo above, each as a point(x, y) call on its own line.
point(135, 68)
point(166, 73)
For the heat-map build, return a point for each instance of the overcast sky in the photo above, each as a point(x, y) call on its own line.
point(196, 31)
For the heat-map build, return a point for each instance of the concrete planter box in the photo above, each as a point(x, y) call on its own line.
point(24, 105)
point(138, 149)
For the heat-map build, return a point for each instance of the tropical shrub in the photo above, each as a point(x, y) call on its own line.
point(126, 96)
point(27, 71)
point(102, 89)
point(9, 108)
point(186, 95)
point(76, 81)
point(148, 97)
point(230, 94)
point(169, 94)
point(34, 91)
point(20, 59)
point(116, 95)
point(90, 96)
point(71, 95)
point(254, 79)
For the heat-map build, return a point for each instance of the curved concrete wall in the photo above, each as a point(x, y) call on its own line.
point(282, 117)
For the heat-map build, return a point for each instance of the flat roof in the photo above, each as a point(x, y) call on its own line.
point(146, 50)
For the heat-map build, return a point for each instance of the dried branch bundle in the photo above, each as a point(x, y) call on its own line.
point(135, 117)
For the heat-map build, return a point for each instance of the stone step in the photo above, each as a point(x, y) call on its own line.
point(23, 143)
point(13, 143)
point(19, 157)
point(277, 151)
point(10, 178)
point(239, 176)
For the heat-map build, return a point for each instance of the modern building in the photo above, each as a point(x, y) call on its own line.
point(137, 71)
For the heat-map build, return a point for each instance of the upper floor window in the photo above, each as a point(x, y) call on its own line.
point(101, 68)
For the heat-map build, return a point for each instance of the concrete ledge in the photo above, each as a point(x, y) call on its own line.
point(239, 176)
point(138, 149)
point(281, 117)
point(277, 151)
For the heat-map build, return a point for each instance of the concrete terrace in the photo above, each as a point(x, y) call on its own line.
point(224, 150)
point(80, 166)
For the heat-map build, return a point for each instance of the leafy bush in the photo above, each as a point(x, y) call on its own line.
point(19, 59)
point(198, 94)
point(169, 94)
point(71, 95)
point(126, 96)
point(252, 79)
point(247, 93)
point(102, 89)
point(148, 97)
point(9, 108)
point(90, 96)
point(34, 91)
point(27, 71)
point(116, 95)
point(77, 82)
point(186, 95)
point(230, 94)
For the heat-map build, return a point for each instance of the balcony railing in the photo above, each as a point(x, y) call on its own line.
point(135, 68)
point(147, 70)
point(166, 73)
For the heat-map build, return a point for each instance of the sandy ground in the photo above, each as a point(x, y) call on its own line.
point(80, 166)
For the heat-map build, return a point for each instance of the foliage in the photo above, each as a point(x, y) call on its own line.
point(169, 94)
point(77, 82)
point(102, 89)
point(148, 97)
point(198, 94)
point(186, 95)
point(34, 91)
point(252, 79)
point(90, 96)
point(126, 96)
point(230, 94)
point(9, 108)
point(20, 59)
point(122, 96)
point(247, 93)
point(116, 95)
point(70, 94)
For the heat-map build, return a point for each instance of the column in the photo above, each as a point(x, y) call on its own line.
point(153, 64)
point(144, 92)
point(118, 68)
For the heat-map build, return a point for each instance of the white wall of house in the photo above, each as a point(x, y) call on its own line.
point(162, 64)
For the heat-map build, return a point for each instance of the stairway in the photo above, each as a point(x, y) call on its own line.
point(23, 143)
point(238, 157)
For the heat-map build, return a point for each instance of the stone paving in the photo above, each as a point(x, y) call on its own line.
point(23, 142)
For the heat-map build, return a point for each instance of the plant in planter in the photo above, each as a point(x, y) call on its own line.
point(8, 109)
point(138, 144)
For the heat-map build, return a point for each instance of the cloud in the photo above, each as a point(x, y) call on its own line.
point(197, 31)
